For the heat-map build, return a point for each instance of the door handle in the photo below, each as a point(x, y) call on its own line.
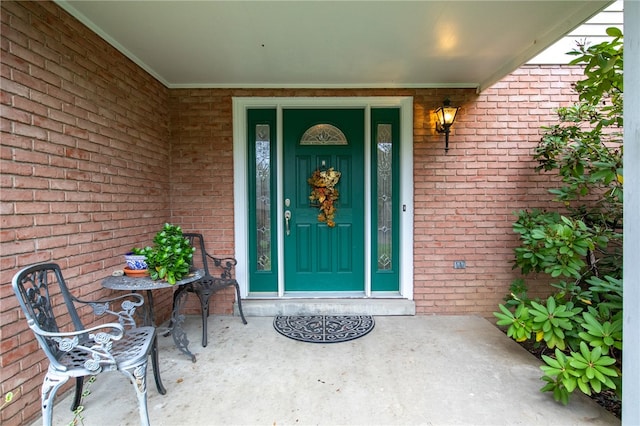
point(287, 217)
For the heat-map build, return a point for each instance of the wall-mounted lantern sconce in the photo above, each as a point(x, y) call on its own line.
point(445, 116)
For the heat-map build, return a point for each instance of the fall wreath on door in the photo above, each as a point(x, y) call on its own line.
point(324, 193)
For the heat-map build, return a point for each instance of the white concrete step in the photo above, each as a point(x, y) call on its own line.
point(316, 306)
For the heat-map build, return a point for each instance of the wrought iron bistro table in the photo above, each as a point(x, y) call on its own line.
point(136, 284)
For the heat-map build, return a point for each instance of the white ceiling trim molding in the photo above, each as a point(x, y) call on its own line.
point(328, 86)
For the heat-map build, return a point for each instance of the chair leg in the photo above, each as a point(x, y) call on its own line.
point(51, 384)
point(156, 367)
point(244, 321)
point(78, 397)
point(138, 376)
point(204, 305)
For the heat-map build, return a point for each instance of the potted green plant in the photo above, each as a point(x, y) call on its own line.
point(170, 256)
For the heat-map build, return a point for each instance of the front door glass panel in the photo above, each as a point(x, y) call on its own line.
point(262, 231)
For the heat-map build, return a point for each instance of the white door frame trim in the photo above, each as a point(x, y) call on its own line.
point(241, 202)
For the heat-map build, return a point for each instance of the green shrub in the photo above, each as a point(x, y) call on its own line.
point(170, 257)
point(582, 320)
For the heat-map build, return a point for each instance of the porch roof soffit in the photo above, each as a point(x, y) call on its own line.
point(335, 44)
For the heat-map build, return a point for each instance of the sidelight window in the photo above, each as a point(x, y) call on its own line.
point(384, 180)
point(263, 197)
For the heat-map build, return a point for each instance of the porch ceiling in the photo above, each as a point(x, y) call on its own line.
point(331, 43)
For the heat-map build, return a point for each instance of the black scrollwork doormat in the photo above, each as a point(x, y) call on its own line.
point(324, 328)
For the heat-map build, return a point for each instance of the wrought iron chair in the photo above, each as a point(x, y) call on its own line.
point(219, 274)
point(81, 351)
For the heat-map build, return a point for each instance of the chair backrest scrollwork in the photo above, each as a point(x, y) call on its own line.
point(39, 289)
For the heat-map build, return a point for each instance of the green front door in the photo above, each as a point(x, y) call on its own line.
point(319, 257)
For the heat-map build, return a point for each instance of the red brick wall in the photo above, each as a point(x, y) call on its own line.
point(464, 200)
point(202, 179)
point(84, 162)
point(95, 155)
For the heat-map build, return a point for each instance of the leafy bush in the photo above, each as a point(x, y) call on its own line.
point(588, 370)
point(582, 320)
point(171, 255)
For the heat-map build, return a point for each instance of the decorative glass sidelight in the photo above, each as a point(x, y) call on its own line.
point(263, 197)
point(384, 176)
point(323, 134)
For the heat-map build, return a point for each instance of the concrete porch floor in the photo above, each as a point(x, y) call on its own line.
point(410, 370)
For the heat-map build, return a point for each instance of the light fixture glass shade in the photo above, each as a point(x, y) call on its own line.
point(446, 115)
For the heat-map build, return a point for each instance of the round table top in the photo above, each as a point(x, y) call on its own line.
point(125, 282)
